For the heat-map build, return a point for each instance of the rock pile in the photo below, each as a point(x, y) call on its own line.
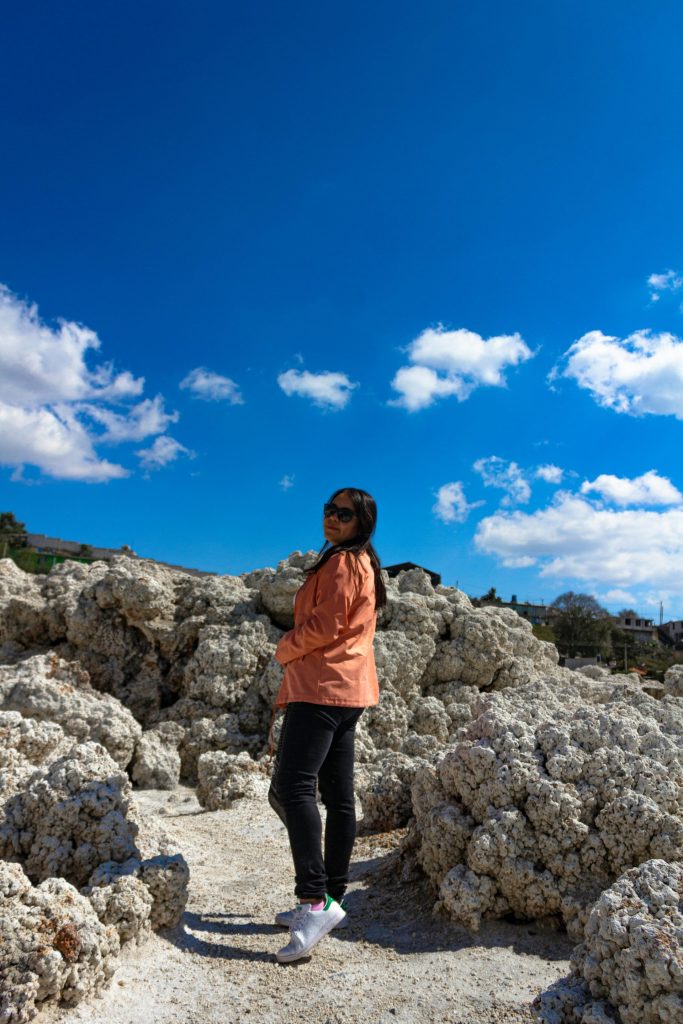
point(630, 965)
point(549, 795)
point(80, 873)
point(530, 789)
point(161, 667)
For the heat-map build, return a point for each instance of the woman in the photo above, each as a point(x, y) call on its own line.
point(329, 679)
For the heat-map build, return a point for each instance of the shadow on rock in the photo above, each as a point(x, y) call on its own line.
point(397, 914)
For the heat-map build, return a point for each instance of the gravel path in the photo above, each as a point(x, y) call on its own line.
point(395, 963)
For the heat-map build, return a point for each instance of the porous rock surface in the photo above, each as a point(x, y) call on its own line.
point(629, 968)
point(549, 795)
point(673, 681)
point(532, 788)
point(157, 761)
point(53, 945)
point(195, 655)
point(224, 778)
point(71, 814)
point(46, 688)
point(164, 876)
point(384, 790)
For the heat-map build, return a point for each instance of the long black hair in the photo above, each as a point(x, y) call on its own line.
point(366, 516)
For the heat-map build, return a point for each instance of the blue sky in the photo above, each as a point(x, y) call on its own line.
point(430, 251)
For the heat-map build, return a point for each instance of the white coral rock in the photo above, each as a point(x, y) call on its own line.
point(157, 762)
point(72, 815)
point(53, 947)
point(563, 795)
point(47, 688)
point(629, 968)
point(224, 778)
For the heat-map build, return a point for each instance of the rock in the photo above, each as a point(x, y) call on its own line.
point(164, 876)
point(629, 968)
point(226, 662)
point(21, 606)
point(209, 731)
point(387, 722)
point(47, 688)
point(673, 681)
point(198, 652)
point(547, 797)
point(126, 903)
point(401, 663)
point(53, 947)
point(36, 742)
point(277, 591)
point(157, 761)
point(492, 648)
point(224, 778)
point(72, 815)
point(384, 791)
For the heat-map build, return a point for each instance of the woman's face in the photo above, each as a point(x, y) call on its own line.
point(335, 531)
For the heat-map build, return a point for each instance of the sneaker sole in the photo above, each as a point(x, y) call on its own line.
point(344, 923)
point(288, 958)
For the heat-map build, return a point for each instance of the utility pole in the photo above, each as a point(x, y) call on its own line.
point(625, 658)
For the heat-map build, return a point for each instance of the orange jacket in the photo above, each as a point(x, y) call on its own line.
point(328, 656)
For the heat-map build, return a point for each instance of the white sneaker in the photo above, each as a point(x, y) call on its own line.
point(308, 927)
point(285, 917)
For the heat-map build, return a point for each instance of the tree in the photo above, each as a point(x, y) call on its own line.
point(543, 632)
point(490, 597)
point(12, 532)
point(582, 626)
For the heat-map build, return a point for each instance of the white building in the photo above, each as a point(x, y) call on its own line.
point(674, 629)
point(643, 631)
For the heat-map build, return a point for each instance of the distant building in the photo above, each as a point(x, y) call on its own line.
point(643, 631)
point(56, 546)
point(536, 614)
point(394, 570)
point(674, 630)
point(72, 549)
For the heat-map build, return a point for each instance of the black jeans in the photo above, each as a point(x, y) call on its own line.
point(316, 745)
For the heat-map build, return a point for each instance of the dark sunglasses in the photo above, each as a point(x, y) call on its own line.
point(344, 515)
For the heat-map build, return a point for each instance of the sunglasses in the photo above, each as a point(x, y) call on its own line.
point(344, 515)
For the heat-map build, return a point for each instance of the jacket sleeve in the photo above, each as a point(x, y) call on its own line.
point(331, 614)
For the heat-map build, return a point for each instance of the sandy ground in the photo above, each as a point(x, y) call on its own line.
point(395, 963)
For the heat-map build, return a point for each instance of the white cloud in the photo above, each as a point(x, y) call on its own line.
point(574, 539)
point(41, 365)
point(53, 405)
point(212, 387)
point(466, 360)
point(618, 596)
point(637, 375)
point(550, 473)
point(496, 472)
point(669, 281)
point(287, 481)
point(648, 489)
point(54, 440)
point(328, 390)
point(142, 420)
point(420, 386)
point(452, 505)
point(165, 449)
